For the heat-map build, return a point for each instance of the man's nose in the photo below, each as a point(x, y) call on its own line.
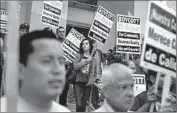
point(57, 68)
point(130, 92)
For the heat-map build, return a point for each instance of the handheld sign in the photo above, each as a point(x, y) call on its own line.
point(51, 13)
point(128, 34)
point(101, 25)
point(159, 48)
point(3, 21)
point(71, 44)
point(139, 83)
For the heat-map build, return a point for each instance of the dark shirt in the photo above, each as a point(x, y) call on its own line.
point(83, 74)
point(139, 101)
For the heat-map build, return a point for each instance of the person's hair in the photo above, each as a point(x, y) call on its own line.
point(81, 51)
point(110, 50)
point(61, 27)
point(24, 26)
point(25, 43)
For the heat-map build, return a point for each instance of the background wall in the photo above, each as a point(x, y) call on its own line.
point(116, 7)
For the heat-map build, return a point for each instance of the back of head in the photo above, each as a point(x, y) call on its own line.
point(114, 73)
point(25, 43)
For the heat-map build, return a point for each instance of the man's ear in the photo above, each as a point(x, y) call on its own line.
point(21, 71)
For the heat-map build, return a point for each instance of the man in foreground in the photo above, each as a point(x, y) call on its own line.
point(42, 73)
point(117, 88)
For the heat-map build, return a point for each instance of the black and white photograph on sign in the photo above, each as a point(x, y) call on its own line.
point(88, 56)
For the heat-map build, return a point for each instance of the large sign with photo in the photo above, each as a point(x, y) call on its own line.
point(159, 48)
point(139, 83)
point(51, 13)
point(128, 34)
point(101, 25)
point(71, 44)
point(3, 21)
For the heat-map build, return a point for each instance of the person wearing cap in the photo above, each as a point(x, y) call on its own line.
point(24, 29)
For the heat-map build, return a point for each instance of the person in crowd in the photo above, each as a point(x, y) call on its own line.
point(98, 59)
point(60, 32)
point(144, 100)
point(24, 29)
point(130, 64)
point(82, 63)
point(117, 88)
point(42, 72)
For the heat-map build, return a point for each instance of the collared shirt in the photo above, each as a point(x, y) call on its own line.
point(105, 108)
point(24, 106)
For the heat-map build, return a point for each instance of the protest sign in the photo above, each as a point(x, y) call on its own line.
point(3, 21)
point(71, 44)
point(128, 34)
point(139, 83)
point(159, 48)
point(51, 13)
point(101, 25)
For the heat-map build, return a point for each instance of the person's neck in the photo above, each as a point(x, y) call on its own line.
point(87, 53)
point(35, 100)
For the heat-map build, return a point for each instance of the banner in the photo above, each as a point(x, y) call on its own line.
point(3, 21)
point(71, 44)
point(51, 13)
point(101, 25)
point(139, 83)
point(128, 34)
point(159, 48)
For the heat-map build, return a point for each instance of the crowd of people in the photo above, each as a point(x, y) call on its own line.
point(102, 80)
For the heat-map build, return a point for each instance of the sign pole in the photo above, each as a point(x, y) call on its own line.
point(166, 89)
point(155, 90)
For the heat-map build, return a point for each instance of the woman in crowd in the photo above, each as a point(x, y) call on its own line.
point(82, 63)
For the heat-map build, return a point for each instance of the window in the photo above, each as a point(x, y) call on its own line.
point(90, 2)
point(84, 4)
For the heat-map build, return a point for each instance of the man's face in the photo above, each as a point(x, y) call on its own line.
point(121, 95)
point(61, 33)
point(23, 32)
point(45, 71)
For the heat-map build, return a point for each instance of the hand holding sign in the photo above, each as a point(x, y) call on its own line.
point(151, 96)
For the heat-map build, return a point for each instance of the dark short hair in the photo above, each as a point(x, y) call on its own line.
point(25, 43)
point(24, 26)
point(81, 51)
point(61, 27)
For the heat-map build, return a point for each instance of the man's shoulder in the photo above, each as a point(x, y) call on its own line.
point(142, 94)
point(59, 108)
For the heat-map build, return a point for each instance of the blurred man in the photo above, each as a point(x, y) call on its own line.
point(144, 100)
point(117, 88)
point(60, 32)
point(24, 29)
point(42, 72)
